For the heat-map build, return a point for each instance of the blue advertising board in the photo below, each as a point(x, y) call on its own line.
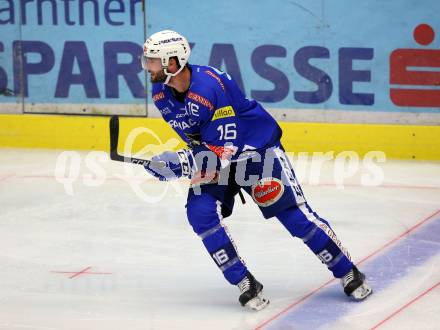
point(377, 56)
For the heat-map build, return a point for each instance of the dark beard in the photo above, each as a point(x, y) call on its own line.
point(160, 77)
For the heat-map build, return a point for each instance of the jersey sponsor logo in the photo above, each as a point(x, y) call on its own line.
point(182, 125)
point(200, 99)
point(216, 78)
point(224, 112)
point(267, 191)
point(158, 96)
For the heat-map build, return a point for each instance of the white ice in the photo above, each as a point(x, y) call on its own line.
point(161, 276)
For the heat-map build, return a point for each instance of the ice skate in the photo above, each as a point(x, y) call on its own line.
point(354, 285)
point(251, 293)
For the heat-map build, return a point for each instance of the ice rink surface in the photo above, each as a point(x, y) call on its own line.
point(110, 248)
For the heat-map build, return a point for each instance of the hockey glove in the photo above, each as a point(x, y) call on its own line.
point(177, 164)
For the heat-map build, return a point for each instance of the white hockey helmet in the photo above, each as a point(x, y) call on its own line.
point(164, 45)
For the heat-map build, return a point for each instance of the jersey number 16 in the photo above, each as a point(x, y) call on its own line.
point(228, 131)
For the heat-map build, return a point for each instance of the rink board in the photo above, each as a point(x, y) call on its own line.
point(91, 133)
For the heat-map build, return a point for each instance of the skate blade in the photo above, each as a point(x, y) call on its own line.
point(362, 292)
point(257, 303)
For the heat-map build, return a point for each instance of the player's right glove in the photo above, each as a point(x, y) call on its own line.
point(176, 165)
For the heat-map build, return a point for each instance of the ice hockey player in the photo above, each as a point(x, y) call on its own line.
point(233, 143)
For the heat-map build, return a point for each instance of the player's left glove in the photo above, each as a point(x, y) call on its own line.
point(177, 164)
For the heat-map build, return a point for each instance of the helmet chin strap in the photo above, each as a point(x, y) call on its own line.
point(169, 74)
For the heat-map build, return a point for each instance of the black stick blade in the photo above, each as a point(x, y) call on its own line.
point(114, 137)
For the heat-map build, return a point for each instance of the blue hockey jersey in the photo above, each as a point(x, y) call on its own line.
point(215, 113)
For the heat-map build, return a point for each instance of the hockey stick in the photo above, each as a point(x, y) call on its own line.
point(114, 138)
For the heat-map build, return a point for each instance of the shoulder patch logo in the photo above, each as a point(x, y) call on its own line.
point(158, 96)
point(216, 78)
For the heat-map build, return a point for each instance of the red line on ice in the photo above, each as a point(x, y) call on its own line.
point(81, 272)
point(418, 224)
point(405, 306)
point(6, 177)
